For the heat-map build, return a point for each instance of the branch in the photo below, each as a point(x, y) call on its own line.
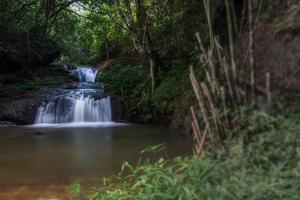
point(79, 15)
point(88, 9)
point(62, 6)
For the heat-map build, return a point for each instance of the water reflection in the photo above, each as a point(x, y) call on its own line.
point(33, 155)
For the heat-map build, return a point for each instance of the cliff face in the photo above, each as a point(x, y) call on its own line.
point(25, 75)
point(25, 51)
point(22, 93)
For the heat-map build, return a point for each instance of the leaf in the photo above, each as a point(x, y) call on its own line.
point(154, 149)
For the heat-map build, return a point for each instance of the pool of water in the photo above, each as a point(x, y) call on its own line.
point(63, 154)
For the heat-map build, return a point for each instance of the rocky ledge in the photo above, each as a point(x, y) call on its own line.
point(23, 51)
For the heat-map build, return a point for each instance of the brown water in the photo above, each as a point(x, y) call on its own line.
point(37, 161)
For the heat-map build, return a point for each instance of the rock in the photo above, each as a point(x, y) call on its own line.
point(116, 109)
point(23, 111)
point(57, 70)
point(70, 66)
point(25, 50)
point(7, 123)
point(38, 133)
point(20, 111)
point(82, 85)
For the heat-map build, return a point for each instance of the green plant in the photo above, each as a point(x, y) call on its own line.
point(267, 168)
point(131, 84)
point(76, 189)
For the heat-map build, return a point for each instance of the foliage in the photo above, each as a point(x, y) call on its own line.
point(173, 83)
point(268, 168)
point(132, 85)
point(90, 32)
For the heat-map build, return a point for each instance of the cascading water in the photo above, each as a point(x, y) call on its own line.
point(77, 106)
point(85, 74)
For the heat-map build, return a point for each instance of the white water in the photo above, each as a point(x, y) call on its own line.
point(85, 74)
point(78, 124)
point(76, 106)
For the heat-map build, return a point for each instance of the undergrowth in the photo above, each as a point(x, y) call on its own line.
point(267, 168)
point(132, 85)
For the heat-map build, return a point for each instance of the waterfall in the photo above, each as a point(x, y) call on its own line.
point(85, 74)
point(77, 106)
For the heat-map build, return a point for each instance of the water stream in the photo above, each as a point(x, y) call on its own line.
point(86, 74)
point(77, 106)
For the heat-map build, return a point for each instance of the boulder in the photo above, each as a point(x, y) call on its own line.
point(23, 111)
point(20, 111)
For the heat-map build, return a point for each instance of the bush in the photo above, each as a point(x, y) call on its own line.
point(132, 85)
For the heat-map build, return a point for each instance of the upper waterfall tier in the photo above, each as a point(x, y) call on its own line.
point(85, 74)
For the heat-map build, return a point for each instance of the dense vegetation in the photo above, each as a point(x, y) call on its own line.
point(155, 38)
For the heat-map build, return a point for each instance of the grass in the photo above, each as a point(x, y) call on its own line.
point(267, 168)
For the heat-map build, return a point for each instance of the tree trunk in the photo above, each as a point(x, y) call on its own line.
point(251, 52)
point(152, 74)
point(146, 43)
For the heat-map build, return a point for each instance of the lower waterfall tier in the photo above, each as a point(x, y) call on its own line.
point(75, 106)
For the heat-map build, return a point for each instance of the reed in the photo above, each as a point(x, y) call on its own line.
point(251, 52)
point(219, 93)
point(268, 90)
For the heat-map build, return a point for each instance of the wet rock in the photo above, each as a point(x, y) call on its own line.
point(56, 70)
point(82, 85)
point(116, 109)
point(23, 111)
point(70, 67)
point(7, 123)
point(38, 133)
point(19, 111)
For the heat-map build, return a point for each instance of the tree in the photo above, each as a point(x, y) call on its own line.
point(135, 19)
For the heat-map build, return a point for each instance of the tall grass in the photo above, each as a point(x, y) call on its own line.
point(222, 95)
